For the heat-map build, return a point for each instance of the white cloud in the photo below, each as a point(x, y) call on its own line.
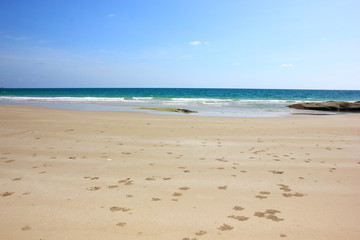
point(287, 65)
point(195, 43)
point(16, 38)
point(111, 15)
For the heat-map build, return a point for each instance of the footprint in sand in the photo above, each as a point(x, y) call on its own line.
point(121, 224)
point(293, 194)
point(6, 194)
point(17, 179)
point(127, 181)
point(177, 194)
point(264, 193)
point(113, 186)
point(225, 227)
point(116, 208)
point(26, 228)
point(184, 188)
point(222, 187)
point(200, 233)
point(93, 188)
point(156, 199)
point(239, 218)
point(150, 179)
point(238, 208)
point(284, 188)
point(261, 197)
point(269, 214)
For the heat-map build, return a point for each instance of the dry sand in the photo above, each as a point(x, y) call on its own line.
point(116, 175)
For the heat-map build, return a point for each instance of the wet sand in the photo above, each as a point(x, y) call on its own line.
point(118, 175)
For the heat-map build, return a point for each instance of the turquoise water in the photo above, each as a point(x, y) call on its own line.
point(209, 102)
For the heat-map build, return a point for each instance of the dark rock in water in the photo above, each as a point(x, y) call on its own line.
point(329, 106)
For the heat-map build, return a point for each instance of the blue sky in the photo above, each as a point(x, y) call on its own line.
point(296, 44)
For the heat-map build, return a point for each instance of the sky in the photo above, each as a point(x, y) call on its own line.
point(286, 44)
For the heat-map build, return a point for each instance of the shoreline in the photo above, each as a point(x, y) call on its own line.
point(238, 113)
point(130, 175)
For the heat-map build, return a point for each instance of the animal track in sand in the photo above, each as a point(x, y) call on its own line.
point(113, 186)
point(93, 188)
point(239, 218)
point(6, 194)
point(177, 194)
point(276, 172)
point(122, 209)
point(184, 188)
point(225, 227)
point(26, 228)
point(121, 224)
point(222, 187)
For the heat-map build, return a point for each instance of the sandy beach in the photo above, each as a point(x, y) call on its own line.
point(126, 175)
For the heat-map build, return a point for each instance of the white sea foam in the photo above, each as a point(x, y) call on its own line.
point(60, 99)
point(142, 98)
point(210, 102)
point(216, 104)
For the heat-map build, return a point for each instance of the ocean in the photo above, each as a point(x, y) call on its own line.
point(208, 102)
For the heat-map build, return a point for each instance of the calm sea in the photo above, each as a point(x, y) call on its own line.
point(208, 102)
